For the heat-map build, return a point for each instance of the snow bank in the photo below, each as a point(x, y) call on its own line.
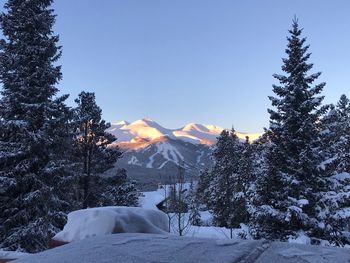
point(131, 248)
point(301, 238)
point(113, 219)
point(11, 254)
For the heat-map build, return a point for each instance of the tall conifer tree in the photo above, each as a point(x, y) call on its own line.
point(92, 142)
point(288, 192)
point(32, 126)
point(226, 199)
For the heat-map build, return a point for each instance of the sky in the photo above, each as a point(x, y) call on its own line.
point(201, 61)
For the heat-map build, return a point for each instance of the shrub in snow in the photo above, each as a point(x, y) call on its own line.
point(111, 220)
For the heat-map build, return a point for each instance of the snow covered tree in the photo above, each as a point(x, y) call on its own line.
point(287, 193)
point(335, 127)
point(227, 189)
point(115, 190)
point(92, 142)
point(33, 127)
point(246, 165)
point(343, 135)
point(335, 200)
point(202, 189)
point(193, 207)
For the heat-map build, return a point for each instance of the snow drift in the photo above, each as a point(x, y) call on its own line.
point(110, 220)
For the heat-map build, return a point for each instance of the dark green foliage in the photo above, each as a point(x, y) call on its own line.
point(335, 149)
point(287, 193)
point(202, 189)
point(229, 181)
point(91, 143)
point(32, 127)
point(193, 207)
point(116, 190)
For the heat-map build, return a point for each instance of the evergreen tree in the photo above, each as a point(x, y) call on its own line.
point(329, 134)
point(227, 198)
point(116, 190)
point(92, 146)
point(193, 207)
point(335, 200)
point(343, 135)
point(33, 127)
point(335, 127)
point(202, 189)
point(287, 194)
point(246, 165)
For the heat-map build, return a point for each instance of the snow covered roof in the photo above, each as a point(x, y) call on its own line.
point(100, 221)
point(148, 248)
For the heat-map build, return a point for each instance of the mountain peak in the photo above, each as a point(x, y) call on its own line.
point(146, 122)
point(120, 123)
point(195, 126)
point(148, 129)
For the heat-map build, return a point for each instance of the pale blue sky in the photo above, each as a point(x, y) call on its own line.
point(198, 61)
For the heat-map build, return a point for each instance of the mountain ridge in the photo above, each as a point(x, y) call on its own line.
point(153, 153)
point(149, 129)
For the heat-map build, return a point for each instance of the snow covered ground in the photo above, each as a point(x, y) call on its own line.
point(90, 232)
point(11, 254)
point(153, 248)
point(149, 200)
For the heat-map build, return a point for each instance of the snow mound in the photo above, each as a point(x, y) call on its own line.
point(101, 221)
point(11, 254)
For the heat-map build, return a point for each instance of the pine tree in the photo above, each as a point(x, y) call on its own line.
point(116, 190)
point(193, 207)
point(287, 194)
point(343, 135)
point(227, 199)
point(32, 127)
point(92, 145)
point(246, 166)
point(202, 189)
point(335, 127)
point(335, 200)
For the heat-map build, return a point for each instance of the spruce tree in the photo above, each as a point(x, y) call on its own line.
point(116, 190)
point(226, 187)
point(335, 149)
point(202, 189)
point(246, 165)
point(343, 135)
point(287, 194)
point(32, 127)
point(92, 146)
point(335, 127)
point(193, 207)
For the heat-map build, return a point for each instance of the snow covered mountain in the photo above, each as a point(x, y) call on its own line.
point(148, 129)
point(151, 149)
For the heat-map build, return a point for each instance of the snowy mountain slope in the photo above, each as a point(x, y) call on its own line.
point(163, 155)
point(148, 129)
point(150, 149)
